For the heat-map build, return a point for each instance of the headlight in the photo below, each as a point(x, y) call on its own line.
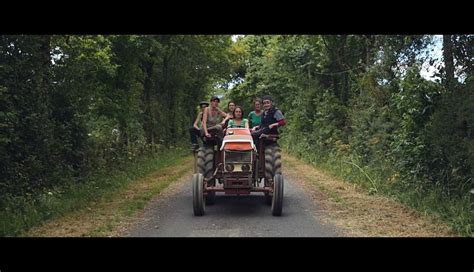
point(229, 167)
point(245, 167)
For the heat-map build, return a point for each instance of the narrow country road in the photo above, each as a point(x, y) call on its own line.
point(232, 216)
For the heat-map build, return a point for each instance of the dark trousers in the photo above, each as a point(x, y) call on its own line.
point(256, 136)
point(197, 133)
point(194, 133)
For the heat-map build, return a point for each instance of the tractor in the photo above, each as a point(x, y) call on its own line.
point(236, 167)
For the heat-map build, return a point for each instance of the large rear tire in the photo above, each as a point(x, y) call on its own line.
point(205, 165)
point(210, 198)
point(276, 160)
point(268, 164)
point(272, 167)
point(199, 205)
point(268, 199)
point(277, 200)
point(272, 161)
point(205, 161)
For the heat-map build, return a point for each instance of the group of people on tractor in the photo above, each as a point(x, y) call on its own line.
point(214, 121)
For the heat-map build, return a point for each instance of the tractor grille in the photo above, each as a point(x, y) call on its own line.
point(238, 157)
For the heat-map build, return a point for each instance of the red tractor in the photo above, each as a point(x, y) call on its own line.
point(236, 167)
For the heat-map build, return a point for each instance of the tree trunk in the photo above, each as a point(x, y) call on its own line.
point(369, 44)
point(148, 119)
point(342, 62)
point(448, 62)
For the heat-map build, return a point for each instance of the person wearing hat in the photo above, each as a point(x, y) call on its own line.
point(272, 119)
point(212, 119)
point(195, 130)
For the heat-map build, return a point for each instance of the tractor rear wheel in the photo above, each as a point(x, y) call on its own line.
point(205, 166)
point(272, 162)
point(272, 167)
point(210, 198)
point(268, 199)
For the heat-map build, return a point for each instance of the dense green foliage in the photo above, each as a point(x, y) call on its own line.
point(73, 105)
point(358, 105)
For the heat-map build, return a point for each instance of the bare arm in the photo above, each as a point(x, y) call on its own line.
point(222, 112)
point(225, 119)
point(197, 120)
point(204, 121)
point(225, 115)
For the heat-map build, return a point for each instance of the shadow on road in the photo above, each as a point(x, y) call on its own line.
point(245, 205)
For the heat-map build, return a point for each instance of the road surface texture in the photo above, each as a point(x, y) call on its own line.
point(232, 216)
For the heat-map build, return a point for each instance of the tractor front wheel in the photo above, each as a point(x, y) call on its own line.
point(199, 205)
point(277, 200)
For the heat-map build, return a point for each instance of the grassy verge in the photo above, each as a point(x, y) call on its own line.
point(381, 179)
point(24, 213)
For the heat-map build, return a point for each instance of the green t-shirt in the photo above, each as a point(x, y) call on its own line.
point(254, 119)
point(232, 123)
